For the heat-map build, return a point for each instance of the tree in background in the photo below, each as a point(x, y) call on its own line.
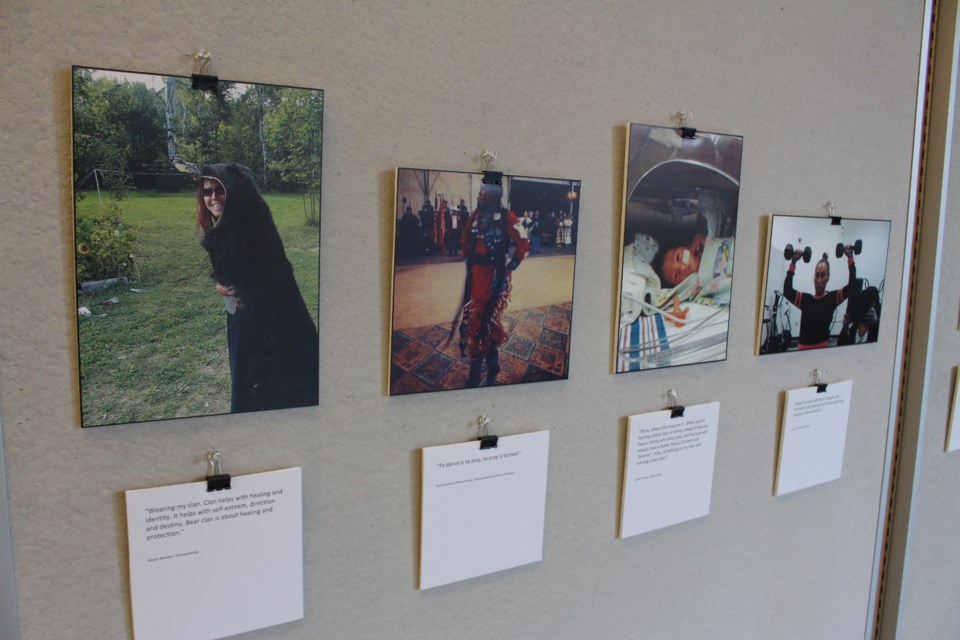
point(294, 127)
point(130, 132)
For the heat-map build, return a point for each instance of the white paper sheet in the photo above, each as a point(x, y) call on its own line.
point(813, 436)
point(668, 470)
point(482, 510)
point(209, 565)
point(953, 430)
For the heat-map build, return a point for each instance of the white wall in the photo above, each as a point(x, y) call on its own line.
point(823, 93)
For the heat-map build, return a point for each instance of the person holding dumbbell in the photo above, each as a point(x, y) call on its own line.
point(816, 310)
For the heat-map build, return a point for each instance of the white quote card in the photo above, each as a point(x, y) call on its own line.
point(953, 428)
point(482, 510)
point(668, 470)
point(813, 436)
point(206, 565)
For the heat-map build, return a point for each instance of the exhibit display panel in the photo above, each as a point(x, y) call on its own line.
point(549, 88)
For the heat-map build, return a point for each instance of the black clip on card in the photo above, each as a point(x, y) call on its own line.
point(492, 177)
point(216, 479)
point(487, 441)
point(676, 410)
point(831, 208)
point(204, 83)
point(202, 80)
point(821, 386)
point(682, 128)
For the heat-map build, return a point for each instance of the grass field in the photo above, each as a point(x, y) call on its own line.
point(163, 353)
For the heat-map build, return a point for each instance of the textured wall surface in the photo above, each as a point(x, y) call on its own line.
point(823, 93)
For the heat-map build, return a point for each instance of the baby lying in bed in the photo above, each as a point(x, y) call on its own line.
point(655, 275)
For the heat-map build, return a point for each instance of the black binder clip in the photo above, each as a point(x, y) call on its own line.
point(821, 386)
point(487, 441)
point(492, 177)
point(201, 79)
point(204, 83)
point(216, 479)
point(835, 220)
point(676, 410)
point(685, 131)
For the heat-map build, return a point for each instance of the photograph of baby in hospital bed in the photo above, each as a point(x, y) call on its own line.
point(679, 235)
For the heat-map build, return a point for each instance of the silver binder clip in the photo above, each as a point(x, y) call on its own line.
point(217, 480)
point(487, 441)
point(201, 69)
point(817, 380)
point(676, 410)
point(682, 128)
point(831, 209)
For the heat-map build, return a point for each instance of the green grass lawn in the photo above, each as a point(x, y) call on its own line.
point(163, 353)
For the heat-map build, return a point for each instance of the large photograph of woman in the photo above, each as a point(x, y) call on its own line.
point(197, 246)
point(681, 198)
point(823, 283)
point(483, 280)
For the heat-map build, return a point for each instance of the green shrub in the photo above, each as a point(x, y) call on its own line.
point(106, 247)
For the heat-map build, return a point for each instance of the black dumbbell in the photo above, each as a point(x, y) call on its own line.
point(856, 246)
point(789, 253)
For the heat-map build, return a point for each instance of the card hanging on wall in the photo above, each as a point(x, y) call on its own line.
point(823, 283)
point(157, 165)
point(953, 429)
point(679, 230)
point(482, 508)
point(812, 436)
point(668, 467)
point(482, 279)
point(209, 564)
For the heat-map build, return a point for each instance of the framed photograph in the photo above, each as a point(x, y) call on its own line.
point(823, 283)
point(677, 246)
point(197, 240)
point(482, 279)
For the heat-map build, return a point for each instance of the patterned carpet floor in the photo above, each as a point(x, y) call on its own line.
point(538, 349)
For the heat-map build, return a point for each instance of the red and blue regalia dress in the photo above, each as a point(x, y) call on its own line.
point(494, 245)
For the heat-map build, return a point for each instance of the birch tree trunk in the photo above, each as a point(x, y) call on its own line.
point(263, 135)
point(168, 103)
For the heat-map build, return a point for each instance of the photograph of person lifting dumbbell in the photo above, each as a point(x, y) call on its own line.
point(813, 299)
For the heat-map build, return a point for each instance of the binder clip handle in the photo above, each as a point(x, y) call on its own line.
point(676, 410)
point(831, 208)
point(217, 480)
point(201, 79)
point(685, 131)
point(817, 375)
point(487, 441)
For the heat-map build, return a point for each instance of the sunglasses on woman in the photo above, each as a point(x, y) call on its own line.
point(209, 191)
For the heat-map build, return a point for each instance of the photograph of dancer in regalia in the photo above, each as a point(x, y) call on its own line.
point(473, 305)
